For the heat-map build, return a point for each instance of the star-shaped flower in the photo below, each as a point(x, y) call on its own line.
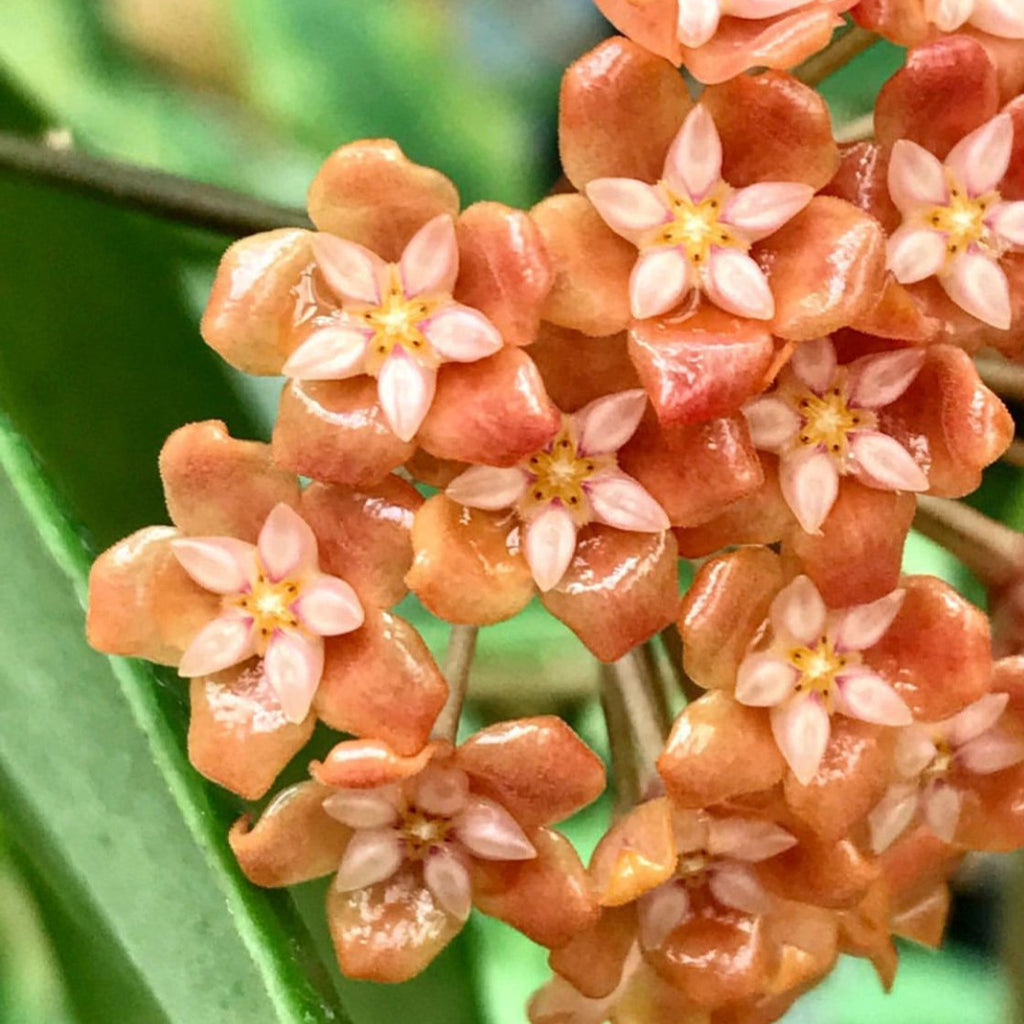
point(573, 481)
point(956, 225)
point(694, 230)
point(397, 322)
point(813, 668)
point(822, 422)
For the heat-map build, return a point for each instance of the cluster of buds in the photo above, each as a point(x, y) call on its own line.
point(727, 339)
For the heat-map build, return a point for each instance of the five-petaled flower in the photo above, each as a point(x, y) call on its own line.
point(822, 422)
point(956, 226)
point(396, 321)
point(812, 668)
point(694, 231)
point(572, 481)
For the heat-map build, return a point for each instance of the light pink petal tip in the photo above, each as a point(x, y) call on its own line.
point(627, 206)
point(352, 271)
point(893, 813)
point(442, 791)
point(488, 487)
point(487, 830)
point(915, 750)
point(607, 423)
point(294, 665)
point(772, 422)
point(364, 808)
point(618, 500)
point(736, 885)
point(697, 21)
point(877, 381)
point(372, 855)
point(760, 210)
point(694, 162)
point(810, 485)
point(764, 680)
point(801, 728)
point(661, 911)
point(447, 878)
point(328, 606)
point(999, 18)
point(861, 626)
point(331, 353)
point(430, 262)
point(461, 334)
point(814, 363)
point(942, 810)
point(798, 611)
point(991, 752)
point(224, 642)
point(948, 15)
point(286, 544)
point(405, 389)
point(916, 178)
point(975, 719)
point(881, 461)
point(549, 545)
point(737, 284)
point(660, 280)
point(221, 564)
point(914, 254)
point(748, 839)
point(1007, 221)
point(982, 159)
point(864, 695)
point(978, 286)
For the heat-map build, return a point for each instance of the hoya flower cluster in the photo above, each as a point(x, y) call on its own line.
point(727, 339)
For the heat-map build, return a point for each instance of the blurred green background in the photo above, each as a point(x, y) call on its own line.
point(117, 902)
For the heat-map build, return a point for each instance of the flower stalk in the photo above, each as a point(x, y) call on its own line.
point(846, 47)
point(458, 663)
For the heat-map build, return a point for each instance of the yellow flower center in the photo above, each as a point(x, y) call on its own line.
point(396, 321)
point(557, 474)
point(963, 219)
point(421, 832)
point(692, 868)
point(697, 226)
point(818, 665)
point(270, 606)
point(828, 420)
point(940, 763)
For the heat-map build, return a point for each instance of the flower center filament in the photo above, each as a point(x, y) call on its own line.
point(818, 665)
point(827, 421)
point(396, 322)
point(692, 868)
point(270, 605)
point(696, 227)
point(558, 473)
point(962, 221)
point(422, 832)
point(940, 763)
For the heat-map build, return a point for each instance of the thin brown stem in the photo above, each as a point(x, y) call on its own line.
point(992, 551)
point(672, 641)
point(1014, 455)
point(1006, 379)
point(458, 661)
point(853, 42)
point(138, 188)
point(620, 743)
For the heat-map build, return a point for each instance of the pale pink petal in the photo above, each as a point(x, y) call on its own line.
point(810, 484)
point(764, 681)
point(618, 500)
point(863, 694)
point(607, 423)
point(991, 752)
point(286, 544)
point(221, 564)
point(487, 830)
point(1007, 221)
point(441, 791)
point(331, 353)
point(914, 254)
point(772, 422)
point(661, 911)
point(405, 389)
point(660, 280)
point(893, 813)
point(941, 805)
point(488, 487)
point(801, 728)
point(981, 159)
point(371, 856)
point(697, 21)
point(747, 839)
point(916, 178)
point(915, 750)
point(861, 626)
point(224, 642)
point(759, 210)
point(757, 9)
point(975, 719)
point(877, 381)
point(735, 283)
point(881, 461)
point(814, 363)
point(364, 808)
point(948, 15)
point(798, 612)
point(328, 606)
point(736, 885)
point(430, 262)
point(999, 18)
point(694, 161)
point(627, 206)
point(352, 271)
point(549, 544)
point(294, 665)
point(977, 284)
point(447, 878)
point(461, 334)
